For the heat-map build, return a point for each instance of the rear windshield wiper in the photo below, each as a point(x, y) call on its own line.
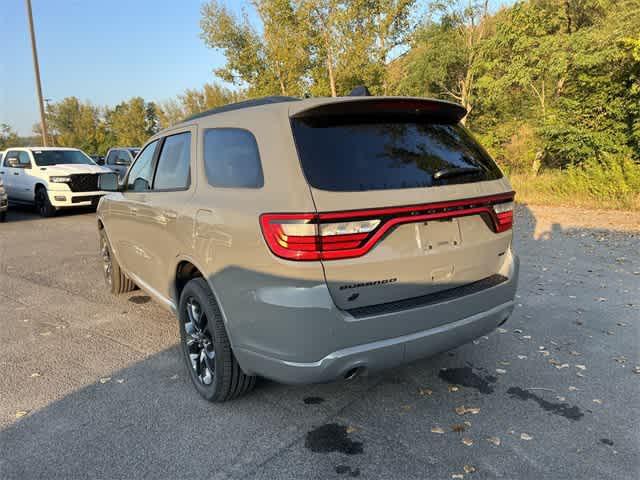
point(455, 172)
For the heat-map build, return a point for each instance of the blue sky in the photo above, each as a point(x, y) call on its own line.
point(103, 51)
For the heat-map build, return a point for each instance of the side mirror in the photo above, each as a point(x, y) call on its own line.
point(108, 182)
point(122, 162)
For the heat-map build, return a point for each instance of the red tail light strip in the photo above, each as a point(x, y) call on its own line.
point(350, 245)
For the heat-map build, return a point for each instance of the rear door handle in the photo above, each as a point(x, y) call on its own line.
point(16, 173)
point(170, 215)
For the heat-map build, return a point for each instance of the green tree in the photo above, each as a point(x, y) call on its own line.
point(8, 137)
point(132, 122)
point(73, 123)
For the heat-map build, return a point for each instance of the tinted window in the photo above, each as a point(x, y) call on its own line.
point(231, 158)
point(173, 164)
point(111, 158)
point(141, 172)
point(46, 158)
point(359, 154)
point(123, 156)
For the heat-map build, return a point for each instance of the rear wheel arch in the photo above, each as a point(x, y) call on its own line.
point(187, 270)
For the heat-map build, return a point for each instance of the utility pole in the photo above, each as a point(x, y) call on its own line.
point(36, 67)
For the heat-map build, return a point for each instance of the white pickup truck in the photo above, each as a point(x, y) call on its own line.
point(51, 178)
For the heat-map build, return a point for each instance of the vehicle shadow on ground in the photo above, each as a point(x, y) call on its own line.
point(147, 421)
point(22, 213)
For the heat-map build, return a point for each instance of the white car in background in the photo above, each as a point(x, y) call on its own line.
point(51, 178)
point(4, 201)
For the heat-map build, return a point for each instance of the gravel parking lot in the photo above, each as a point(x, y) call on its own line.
point(93, 386)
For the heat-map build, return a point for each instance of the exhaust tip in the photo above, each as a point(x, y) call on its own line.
point(353, 373)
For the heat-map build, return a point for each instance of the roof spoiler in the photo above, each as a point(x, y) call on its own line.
point(426, 108)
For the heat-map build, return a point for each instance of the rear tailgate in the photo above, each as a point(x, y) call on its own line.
point(371, 167)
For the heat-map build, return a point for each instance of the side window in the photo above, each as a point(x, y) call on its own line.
point(231, 158)
point(124, 157)
point(141, 173)
point(173, 172)
point(24, 160)
point(9, 156)
point(111, 158)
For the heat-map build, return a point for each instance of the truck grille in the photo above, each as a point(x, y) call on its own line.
point(85, 182)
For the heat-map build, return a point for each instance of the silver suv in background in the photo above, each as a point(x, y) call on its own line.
point(4, 200)
point(313, 240)
point(119, 159)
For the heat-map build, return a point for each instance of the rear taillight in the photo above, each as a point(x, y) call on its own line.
point(504, 216)
point(337, 235)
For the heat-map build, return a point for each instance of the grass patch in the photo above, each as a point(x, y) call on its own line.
point(610, 183)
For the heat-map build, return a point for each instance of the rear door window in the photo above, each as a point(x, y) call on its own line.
point(358, 154)
point(231, 158)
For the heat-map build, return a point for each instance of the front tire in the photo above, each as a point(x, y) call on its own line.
point(213, 368)
point(117, 282)
point(43, 204)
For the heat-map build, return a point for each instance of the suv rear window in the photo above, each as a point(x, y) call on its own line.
point(356, 154)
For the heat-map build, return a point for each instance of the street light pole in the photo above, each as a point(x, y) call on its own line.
point(36, 67)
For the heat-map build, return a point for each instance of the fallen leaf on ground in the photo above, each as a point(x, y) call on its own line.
point(581, 367)
point(120, 380)
point(494, 440)
point(501, 371)
point(21, 413)
point(469, 469)
point(105, 379)
point(527, 337)
point(572, 388)
point(574, 353)
point(517, 330)
point(561, 398)
point(506, 364)
point(458, 427)
point(35, 374)
point(453, 388)
point(467, 441)
point(525, 436)
point(636, 369)
point(457, 475)
point(598, 401)
point(425, 392)
point(406, 408)
point(174, 377)
point(351, 429)
point(522, 357)
point(564, 365)
point(462, 410)
point(502, 330)
point(437, 430)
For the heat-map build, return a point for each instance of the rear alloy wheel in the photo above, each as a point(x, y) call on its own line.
point(116, 281)
point(212, 366)
point(43, 205)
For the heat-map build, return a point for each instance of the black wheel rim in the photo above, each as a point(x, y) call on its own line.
point(199, 342)
point(107, 266)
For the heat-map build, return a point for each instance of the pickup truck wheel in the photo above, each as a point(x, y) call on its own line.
point(3, 217)
point(43, 205)
point(212, 366)
point(117, 282)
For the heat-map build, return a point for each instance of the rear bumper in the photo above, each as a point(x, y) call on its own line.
point(378, 355)
point(321, 343)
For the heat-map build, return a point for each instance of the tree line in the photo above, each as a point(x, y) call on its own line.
point(547, 83)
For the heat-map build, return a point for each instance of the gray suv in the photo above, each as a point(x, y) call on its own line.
point(316, 239)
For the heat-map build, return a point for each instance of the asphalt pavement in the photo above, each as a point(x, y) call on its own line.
point(93, 386)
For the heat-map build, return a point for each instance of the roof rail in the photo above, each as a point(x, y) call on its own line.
point(256, 102)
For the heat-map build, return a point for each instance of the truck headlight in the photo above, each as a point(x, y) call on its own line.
point(60, 179)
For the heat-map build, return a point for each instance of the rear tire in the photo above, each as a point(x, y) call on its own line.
point(117, 282)
point(213, 368)
point(3, 217)
point(43, 204)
